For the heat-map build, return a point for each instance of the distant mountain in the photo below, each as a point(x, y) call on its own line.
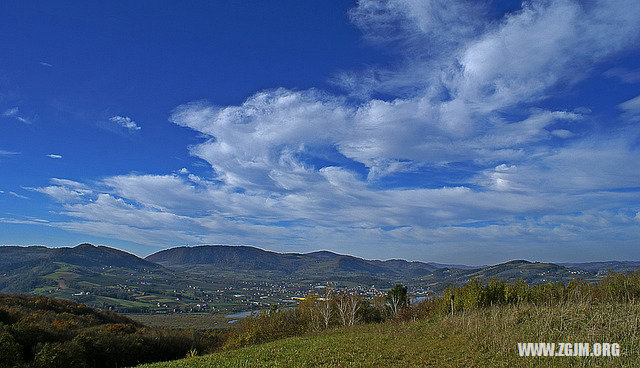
point(245, 258)
point(531, 272)
point(322, 264)
point(97, 256)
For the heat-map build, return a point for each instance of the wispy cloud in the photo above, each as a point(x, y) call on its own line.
point(44, 63)
point(631, 108)
point(623, 74)
point(15, 114)
point(8, 153)
point(64, 190)
point(14, 194)
point(54, 156)
point(125, 122)
point(25, 221)
point(18, 195)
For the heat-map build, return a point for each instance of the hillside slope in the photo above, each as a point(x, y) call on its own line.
point(37, 331)
point(477, 339)
point(99, 276)
point(24, 269)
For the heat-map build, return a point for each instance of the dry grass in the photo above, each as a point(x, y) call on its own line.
point(498, 330)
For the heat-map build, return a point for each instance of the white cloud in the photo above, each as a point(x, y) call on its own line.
point(61, 194)
point(543, 44)
point(8, 153)
point(68, 183)
point(125, 122)
point(259, 140)
point(594, 164)
point(54, 156)
point(64, 191)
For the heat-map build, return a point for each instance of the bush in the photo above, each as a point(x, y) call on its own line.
point(265, 327)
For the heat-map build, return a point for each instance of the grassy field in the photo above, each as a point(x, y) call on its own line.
point(480, 338)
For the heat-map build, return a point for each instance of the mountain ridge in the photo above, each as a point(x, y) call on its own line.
point(592, 264)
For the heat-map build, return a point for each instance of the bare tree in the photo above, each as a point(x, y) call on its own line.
point(397, 298)
point(313, 313)
point(394, 303)
point(325, 307)
point(342, 304)
point(348, 306)
point(353, 306)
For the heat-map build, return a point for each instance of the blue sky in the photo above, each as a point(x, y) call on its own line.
point(449, 131)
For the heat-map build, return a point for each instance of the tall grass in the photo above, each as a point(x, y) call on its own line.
point(497, 329)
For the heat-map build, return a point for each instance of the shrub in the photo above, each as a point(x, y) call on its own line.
point(265, 327)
